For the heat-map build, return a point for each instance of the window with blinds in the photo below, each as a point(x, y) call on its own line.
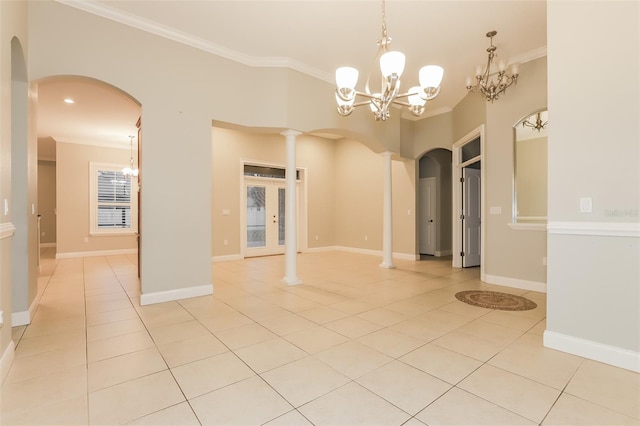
point(114, 200)
point(112, 204)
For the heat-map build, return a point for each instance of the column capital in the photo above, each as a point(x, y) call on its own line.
point(387, 154)
point(291, 132)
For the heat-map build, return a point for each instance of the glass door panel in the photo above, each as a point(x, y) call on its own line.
point(265, 218)
point(256, 216)
point(281, 215)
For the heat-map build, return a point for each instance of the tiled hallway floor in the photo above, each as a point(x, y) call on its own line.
point(354, 345)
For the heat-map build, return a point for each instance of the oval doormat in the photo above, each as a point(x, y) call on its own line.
point(495, 300)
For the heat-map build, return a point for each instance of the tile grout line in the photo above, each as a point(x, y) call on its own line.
point(144, 324)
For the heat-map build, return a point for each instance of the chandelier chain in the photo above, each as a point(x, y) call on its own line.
point(385, 41)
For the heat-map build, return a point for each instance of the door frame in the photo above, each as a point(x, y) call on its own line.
point(456, 170)
point(301, 198)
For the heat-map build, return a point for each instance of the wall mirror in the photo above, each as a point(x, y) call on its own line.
point(530, 169)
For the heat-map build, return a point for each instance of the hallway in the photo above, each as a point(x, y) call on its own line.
point(355, 344)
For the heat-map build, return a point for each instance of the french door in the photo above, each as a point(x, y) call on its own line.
point(265, 218)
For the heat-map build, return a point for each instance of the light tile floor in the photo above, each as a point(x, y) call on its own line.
point(354, 345)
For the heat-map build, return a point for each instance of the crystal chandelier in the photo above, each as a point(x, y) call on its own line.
point(130, 171)
point(485, 83)
point(539, 123)
point(391, 68)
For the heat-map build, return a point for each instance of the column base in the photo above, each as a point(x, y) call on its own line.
point(292, 281)
point(387, 265)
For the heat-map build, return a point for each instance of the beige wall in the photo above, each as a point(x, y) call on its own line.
point(593, 288)
point(47, 201)
point(231, 147)
point(511, 254)
point(359, 199)
point(470, 113)
point(73, 202)
point(13, 23)
point(358, 215)
point(431, 133)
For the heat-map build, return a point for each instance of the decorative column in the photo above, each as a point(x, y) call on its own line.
point(291, 211)
point(387, 216)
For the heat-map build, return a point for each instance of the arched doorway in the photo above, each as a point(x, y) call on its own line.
point(21, 206)
point(88, 133)
point(434, 189)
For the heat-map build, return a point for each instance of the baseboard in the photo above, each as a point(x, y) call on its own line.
point(607, 354)
point(24, 317)
point(444, 253)
point(20, 318)
point(226, 258)
point(47, 245)
point(403, 256)
point(70, 255)
point(7, 360)
point(319, 249)
point(177, 294)
point(515, 283)
point(6, 230)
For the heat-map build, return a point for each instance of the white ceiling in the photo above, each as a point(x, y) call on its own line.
point(312, 36)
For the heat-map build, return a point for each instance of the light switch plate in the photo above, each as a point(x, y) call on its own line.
point(586, 205)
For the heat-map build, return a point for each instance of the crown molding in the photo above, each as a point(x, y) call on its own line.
point(100, 144)
point(196, 42)
point(529, 56)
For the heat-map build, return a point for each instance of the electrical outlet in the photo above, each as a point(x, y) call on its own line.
point(366, 237)
point(226, 242)
point(86, 239)
point(316, 238)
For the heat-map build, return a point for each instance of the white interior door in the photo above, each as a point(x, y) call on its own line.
point(471, 214)
point(265, 218)
point(428, 200)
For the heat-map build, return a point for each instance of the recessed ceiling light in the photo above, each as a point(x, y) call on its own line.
point(69, 101)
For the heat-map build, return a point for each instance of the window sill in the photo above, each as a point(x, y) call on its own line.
point(113, 234)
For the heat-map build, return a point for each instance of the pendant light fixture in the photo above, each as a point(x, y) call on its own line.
point(391, 67)
point(535, 122)
point(488, 86)
point(130, 171)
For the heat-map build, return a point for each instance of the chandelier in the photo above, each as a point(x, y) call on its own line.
point(485, 83)
point(391, 67)
point(130, 171)
point(538, 125)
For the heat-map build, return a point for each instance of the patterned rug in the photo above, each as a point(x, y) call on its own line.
point(495, 300)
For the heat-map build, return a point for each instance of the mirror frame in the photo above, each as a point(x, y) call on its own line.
point(514, 203)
